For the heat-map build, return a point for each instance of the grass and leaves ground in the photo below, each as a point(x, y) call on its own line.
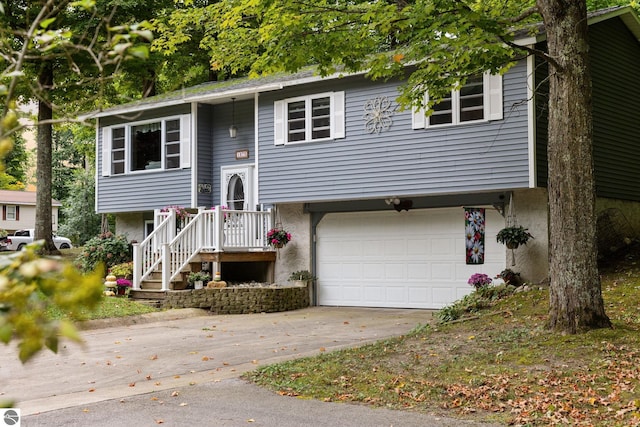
point(499, 364)
point(108, 307)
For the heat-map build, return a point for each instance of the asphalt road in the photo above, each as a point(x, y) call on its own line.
point(182, 368)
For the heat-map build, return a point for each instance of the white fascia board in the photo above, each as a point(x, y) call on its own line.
point(531, 121)
point(194, 155)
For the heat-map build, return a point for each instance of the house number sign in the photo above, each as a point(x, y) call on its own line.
point(242, 154)
point(204, 188)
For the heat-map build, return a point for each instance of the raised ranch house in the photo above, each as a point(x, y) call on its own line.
point(373, 196)
point(19, 210)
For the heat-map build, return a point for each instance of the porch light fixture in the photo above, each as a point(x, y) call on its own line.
point(233, 130)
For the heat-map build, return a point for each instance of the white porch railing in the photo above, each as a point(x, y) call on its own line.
point(215, 230)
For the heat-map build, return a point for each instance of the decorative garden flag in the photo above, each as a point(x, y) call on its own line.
point(474, 235)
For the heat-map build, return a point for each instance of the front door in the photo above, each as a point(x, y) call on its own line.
point(237, 188)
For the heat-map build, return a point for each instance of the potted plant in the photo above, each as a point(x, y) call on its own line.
point(278, 237)
point(123, 270)
point(514, 236)
point(301, 277)
point(197, 278)
point(123, 286)
point(479, 280)
point(509, 277)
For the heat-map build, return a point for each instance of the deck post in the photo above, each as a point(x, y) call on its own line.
point(137, 266)
point(166, 266)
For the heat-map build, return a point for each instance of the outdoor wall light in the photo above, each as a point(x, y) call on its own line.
point(233, 130)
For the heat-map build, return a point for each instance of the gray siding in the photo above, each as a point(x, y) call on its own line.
point(401, 161)
point(224, 147)
point(142, 191)
point(205, 152)
point(615, 61)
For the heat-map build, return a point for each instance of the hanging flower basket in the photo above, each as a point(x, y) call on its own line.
point(513, 237)
point(278, 237)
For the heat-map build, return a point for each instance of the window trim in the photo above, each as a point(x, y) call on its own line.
point(184, 142)
point(336, 117)
point(492, 93)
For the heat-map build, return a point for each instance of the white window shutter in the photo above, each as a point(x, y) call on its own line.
point(338, 115)
point(279, 122)
point(185, 141)
point(493, 96)
point(106, 151)
point(418, 117)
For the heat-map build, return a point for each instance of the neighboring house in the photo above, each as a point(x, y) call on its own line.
point(372, 195)
point(19, 210)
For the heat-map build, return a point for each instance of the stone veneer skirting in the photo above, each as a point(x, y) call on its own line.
point(240, 300)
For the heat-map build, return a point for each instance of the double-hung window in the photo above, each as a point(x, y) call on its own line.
point(480, 99)
point(144, 146)
point(309, 118)
point(11, 213)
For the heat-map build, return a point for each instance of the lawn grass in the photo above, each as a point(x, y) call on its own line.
point(109, 307)
point(499, 364)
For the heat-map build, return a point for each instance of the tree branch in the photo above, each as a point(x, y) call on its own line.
point(525, 14)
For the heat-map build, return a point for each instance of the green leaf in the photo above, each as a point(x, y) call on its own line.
point(68, 330)
point(140, 51)
point(45, 24)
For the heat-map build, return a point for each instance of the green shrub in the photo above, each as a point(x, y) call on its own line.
point(124, 269)
point(107, 249)
point(479, 299)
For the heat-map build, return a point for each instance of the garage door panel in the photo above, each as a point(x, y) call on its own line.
point(418, 271)
point(373, 271)
point(417, 248)
point(412, 259)
point(440, 271)
point(374, 294)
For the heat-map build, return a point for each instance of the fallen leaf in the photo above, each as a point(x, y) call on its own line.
point(91, 390)
point(154, 357)
point(160, 421)
point(175, 393)
point(154, 398)
point(148, 377)
point(85, 410)
point(251, 420)
point(183, 404)
point(255, 362)
point(132, 384)
point(345, 323)
point(323, 349)
point(158, 383)
point(176, 376)
point(205, 358)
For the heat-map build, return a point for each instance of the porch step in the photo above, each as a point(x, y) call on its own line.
point(147, 294)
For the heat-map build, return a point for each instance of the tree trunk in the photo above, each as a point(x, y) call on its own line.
point(43, 226)
point(575, 292)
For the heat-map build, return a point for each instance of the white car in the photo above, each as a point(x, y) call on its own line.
point(21, 238)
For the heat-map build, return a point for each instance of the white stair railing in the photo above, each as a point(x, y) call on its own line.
point(147, 255)
point(214, 230)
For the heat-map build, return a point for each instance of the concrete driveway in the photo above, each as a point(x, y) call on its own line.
point(174, 366)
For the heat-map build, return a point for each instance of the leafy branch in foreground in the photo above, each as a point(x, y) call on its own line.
point(29, 286)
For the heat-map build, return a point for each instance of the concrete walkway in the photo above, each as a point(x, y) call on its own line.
point(177, 369)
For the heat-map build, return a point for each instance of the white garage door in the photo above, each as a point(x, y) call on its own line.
point(412, 259)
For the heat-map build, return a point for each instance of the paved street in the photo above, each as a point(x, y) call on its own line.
point(183, 370)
